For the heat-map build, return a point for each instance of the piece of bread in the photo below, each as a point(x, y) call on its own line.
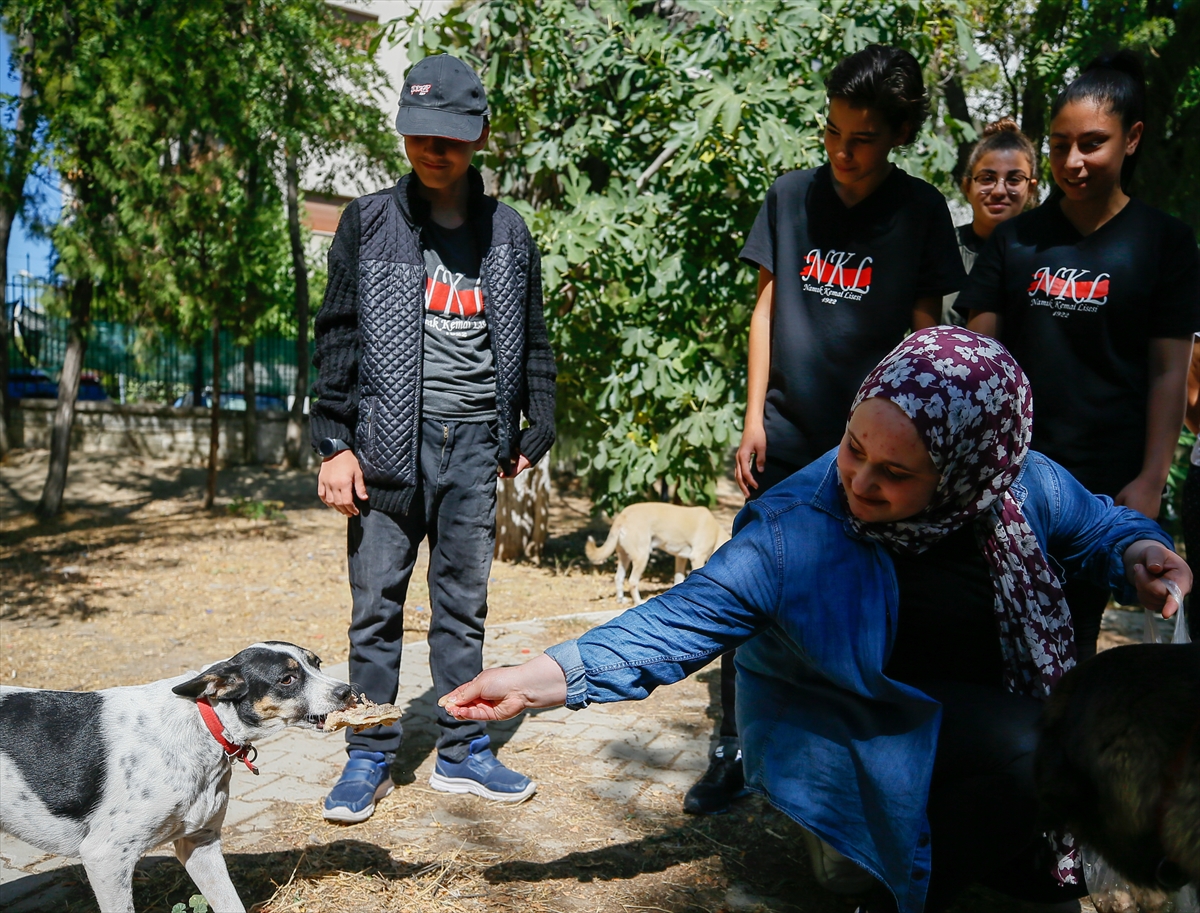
point(363, 715)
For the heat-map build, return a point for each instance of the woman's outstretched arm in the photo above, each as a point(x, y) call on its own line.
point(728, 601)
point(1111, 546)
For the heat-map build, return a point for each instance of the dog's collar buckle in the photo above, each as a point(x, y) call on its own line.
point(247, 754)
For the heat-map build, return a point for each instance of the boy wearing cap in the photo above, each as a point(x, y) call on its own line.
point(431, 346)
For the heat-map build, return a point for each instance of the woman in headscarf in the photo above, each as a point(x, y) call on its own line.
point(898, 612)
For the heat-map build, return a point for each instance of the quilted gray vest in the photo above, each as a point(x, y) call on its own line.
point(391, 300)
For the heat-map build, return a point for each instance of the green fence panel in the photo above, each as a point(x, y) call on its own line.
point(138, 364)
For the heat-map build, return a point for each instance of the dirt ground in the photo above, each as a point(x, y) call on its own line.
point(137, 582)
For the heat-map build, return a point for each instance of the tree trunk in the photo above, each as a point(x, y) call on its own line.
point(1033, 111)
point(295, 443)
point(198, 374)
point(68, 389)
point(523, 514)
point(5, 406)
point(250, 420)
point(214, 432)
point(956, 104)
point(11, 203)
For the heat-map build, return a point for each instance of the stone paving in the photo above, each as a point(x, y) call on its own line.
point(625, 754)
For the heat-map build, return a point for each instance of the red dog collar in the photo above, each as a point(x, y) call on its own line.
point(233, 752)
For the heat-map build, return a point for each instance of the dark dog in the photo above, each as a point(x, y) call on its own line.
point(108, 775)
point(1118, 764)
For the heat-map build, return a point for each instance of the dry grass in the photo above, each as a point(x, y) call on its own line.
point(135, 582)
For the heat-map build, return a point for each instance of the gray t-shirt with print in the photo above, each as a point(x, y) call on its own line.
point(459, 376)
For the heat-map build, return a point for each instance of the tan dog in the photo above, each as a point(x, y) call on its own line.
point(688, 533)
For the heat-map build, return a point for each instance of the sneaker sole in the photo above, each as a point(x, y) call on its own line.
point(341, 815)
point(464, 785)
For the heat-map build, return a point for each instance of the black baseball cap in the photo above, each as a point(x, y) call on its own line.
point(442, 96)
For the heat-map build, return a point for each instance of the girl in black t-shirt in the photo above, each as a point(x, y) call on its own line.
point(1097, 295)
point(999, 184)
point(850, 256)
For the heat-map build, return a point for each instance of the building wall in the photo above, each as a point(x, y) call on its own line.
point(179, 436)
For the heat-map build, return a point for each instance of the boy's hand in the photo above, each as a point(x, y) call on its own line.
point(752, 451)
point(519, 467)
point(1148, 564)
point(341, 479)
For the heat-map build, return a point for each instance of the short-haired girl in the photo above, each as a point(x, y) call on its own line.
point(999, 183)
point(850, 256)
point(1097, 295)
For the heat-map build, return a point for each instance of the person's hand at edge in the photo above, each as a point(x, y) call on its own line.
point(340, 481)
point(1143, 495)
point(518, 467)
point(1147, 565)
point(500, 694)
point(751, 455)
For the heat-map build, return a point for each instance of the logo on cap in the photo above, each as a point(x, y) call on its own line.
point(421, 90)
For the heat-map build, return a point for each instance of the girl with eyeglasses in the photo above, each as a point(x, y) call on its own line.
point(999, 183)
point(1097, 295)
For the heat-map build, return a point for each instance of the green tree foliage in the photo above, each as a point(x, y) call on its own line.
point(639, 139)
point(173, 126)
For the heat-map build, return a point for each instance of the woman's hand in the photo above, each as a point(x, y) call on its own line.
point(500, 694)
point(1143, 495)
point(1148, 564)
point(751, 454)
point(340, 480)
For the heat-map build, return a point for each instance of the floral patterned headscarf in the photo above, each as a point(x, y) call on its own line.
point(971, 404)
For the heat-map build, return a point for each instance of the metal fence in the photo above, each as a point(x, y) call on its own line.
point(137, 364)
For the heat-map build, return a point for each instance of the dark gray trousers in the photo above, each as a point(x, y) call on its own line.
point(455, 508)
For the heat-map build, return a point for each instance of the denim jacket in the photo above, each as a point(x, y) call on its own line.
point(827, 738)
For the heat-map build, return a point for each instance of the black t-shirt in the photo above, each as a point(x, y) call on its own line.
point(968, 240)
point(1078, 314)
point(458, 371)
point(969, 246)
point(947, 627)
point(846, 280)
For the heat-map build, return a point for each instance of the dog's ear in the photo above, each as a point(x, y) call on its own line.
point(220, 681)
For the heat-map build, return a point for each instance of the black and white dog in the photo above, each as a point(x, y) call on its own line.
point(108, 775)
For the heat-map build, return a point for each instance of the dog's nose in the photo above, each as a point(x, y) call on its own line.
point(343, 693)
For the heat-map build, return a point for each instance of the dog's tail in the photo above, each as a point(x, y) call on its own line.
point(598, 555)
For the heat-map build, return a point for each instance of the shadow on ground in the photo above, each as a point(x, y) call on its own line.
point(129, 482)
point(160, 882)
point(760, 867)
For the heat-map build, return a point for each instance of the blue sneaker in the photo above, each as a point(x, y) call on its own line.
point(366, 778)
point(482, 775)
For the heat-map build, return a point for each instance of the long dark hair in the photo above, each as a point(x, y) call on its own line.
point(884, 78)
point(1117, 80)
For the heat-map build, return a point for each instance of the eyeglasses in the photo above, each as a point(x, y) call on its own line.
point(986, 180)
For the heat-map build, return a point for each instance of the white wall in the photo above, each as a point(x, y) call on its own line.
point(393, 58)
point(180, 436)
